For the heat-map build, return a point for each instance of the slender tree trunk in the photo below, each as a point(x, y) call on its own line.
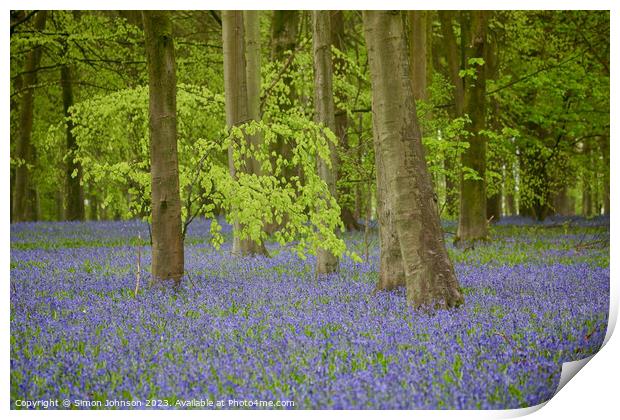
point(561, 203)
point(168, 257)
point(22, 204)
point(284, 31)
point(60, 214)
point(472, 216)
point(359, 197)
point(587, 183)
point(511, 207)
point(324, 114)
point(75, 192)
point(494, 207)
point(450, 48)
point(604, 140)
point(93, 206)
point(253, 78)
point(419, 52)
point(237, 107)
point(429, 274)
point(342, 121)
point(284, 34)
point(253, 65)
point(252, 50)
point(494, 200)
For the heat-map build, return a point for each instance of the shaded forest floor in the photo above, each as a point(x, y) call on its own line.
point(536, 295)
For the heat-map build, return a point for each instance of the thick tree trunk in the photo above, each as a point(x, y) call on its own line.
point(472, 216)
point(451, 52)
point(429, 274)
point(237, 107)
point(324, 114)
point(24, 204)
point(391, 267)
point(74, 193)
point(168, 257)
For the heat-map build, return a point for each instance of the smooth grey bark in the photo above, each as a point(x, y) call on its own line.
point(237, 109)
point(253, 76)
point(24, 194)
point(324, 114)
point(402, 172)
point(166, 231)
point(472, 215)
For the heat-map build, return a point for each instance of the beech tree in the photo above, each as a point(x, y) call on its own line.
point(324, 114)
point(168, 258)
point(75, 192)
point(472, 215)
point(450, 50)
point(420, 51)
point(24, 201)
point(237, 108)
point(402, 176)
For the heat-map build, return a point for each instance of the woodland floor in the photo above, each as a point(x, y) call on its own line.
point(265, 329)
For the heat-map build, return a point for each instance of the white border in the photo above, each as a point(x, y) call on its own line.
point(592, 395)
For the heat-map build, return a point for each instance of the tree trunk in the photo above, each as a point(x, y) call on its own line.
point(452, 57)
point(284, 33)
point(93, 206)
point(75, 193)
point(494, 199)
point(472, 216)
point(604, 141)
point(324, 114)
point(586, 197)
point(345, 191)
point(429, 275)
point(419, 52)
point(60, 213)
point(561, 204)
point(494, 207)
point(22, 204)
point(391, 267)
point(284, 30)
point(252, 50)
point(511, 207)
point(168, 258)
point(237, 107)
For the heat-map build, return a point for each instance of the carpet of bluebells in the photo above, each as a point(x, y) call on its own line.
point(260, 328)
